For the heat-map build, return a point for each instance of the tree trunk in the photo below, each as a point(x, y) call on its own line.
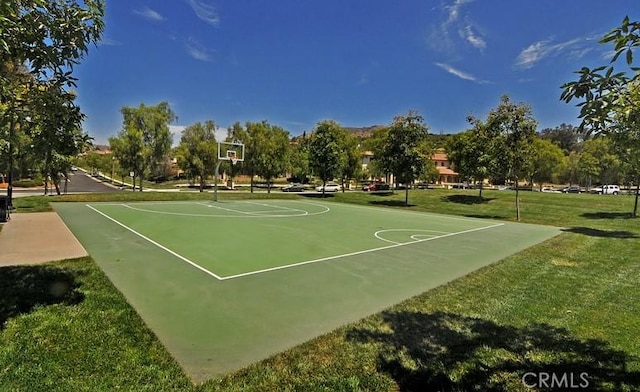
point(201, 183)
point(480, 192)
point(406, 196)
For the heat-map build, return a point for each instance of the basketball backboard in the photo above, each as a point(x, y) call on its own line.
point(229, 151)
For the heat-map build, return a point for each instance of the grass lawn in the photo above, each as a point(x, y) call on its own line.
point(569, 306)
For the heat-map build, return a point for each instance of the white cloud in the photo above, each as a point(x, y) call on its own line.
point(197, 51)
point(204, 11)
point(149, 14)
point(108, 42)
point(443, 39)
point(460, 74)
point(475, 40)
point(454, 10)
point(538, 51)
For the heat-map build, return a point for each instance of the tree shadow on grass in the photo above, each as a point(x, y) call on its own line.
point(390, 203)
point(451, 352)
point(22, 288)
point(601, 233)
point(467, 199)
point(487, 216)
point(607, 215)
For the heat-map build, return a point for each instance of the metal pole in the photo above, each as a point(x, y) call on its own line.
point(215, 181)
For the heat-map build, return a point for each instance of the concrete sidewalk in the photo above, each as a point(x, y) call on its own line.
point(38, 237)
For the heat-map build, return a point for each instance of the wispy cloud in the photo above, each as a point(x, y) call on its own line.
point(454, 20)
point(468, 34)
point(460, 74)
point(204, 11)
point(197, 51)
point(538, 51)
point(108, 42)
point(149, 14)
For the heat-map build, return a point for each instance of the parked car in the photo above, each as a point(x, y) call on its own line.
point(376, 186)
point(548, 189)
point(329, 187)
point(572, 189)
point(294, 187)
point(606, 190)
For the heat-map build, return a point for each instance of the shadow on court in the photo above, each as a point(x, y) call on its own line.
point(450, 352)
point(22, 288)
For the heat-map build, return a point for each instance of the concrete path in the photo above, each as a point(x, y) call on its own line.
point(39, 237)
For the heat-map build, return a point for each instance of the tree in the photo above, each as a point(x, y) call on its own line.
point(299, 160)
point(152, 126)
point(326, 151)
point(607, 163)
point(45, 38)
point(351, 165)
point(127, 148)
point(564, 136)
point(606, 98)
point(377, 168)
point(405, 151)
point(472, 152)
point(515, 127)
point(273, 153)
point(545, 161)
point(197, 152)
point(267, 150)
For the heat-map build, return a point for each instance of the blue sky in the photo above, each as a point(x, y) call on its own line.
point(358, 62)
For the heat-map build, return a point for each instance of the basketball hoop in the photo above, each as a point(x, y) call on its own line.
point(232, 157)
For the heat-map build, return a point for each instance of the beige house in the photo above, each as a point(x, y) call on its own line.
point(447, 174)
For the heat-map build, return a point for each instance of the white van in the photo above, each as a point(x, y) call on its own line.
point(606, 190)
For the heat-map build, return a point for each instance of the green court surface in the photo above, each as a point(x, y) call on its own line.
point(225, 284)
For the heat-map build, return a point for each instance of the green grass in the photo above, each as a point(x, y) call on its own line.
point(569, 305)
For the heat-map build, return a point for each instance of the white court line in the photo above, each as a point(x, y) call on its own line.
point(242, 214)
point(378, 235)
point(355, 253)
point(157, 244)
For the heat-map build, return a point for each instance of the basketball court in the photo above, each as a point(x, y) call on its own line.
point(228, 283)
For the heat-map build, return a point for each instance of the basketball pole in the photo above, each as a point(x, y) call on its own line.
point(215, 181)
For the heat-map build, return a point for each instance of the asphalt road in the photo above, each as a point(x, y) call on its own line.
point(79, 182)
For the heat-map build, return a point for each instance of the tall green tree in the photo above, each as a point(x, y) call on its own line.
point(152, 122)
point(565, 136)
point(46, 39)
point(351, 165)
point(326, 151)
point(272, 143)
point(607, 161)
point(197, 152)
point(299, 159)
point(127, 147)
point(514, 124)
point(547, 158)
point(605, 95)
point(472, 152)
point(406, 150)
